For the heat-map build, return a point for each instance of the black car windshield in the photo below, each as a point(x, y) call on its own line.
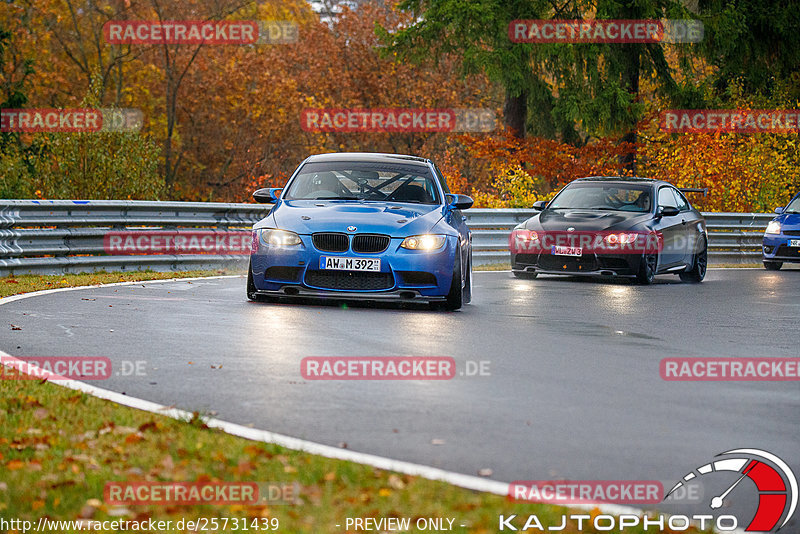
point(364, 181)
point(793, 207)
point(603, 196)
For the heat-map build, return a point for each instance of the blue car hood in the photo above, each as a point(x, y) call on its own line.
point(394, 219)
point(789, 221)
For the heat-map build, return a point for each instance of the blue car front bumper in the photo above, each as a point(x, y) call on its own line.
point(404, 274)
point(777, 247)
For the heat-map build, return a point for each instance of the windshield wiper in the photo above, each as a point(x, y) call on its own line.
point(335, 198)
point(583, 208)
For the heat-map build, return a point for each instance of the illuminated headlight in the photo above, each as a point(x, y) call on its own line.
point(423, 242)
point(279, 238)
point(525, 235)
point(621, 239)
point(774, 227)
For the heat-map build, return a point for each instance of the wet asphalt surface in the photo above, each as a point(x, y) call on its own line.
point(571, 386)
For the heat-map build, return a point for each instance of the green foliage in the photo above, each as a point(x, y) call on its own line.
point(92, 165)
point(754, 43)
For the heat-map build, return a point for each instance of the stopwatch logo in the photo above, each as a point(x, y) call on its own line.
point(775, 481)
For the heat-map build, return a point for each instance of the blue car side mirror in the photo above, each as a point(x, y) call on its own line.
point(778, 210)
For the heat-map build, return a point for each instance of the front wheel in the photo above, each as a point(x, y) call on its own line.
point(699, 265)
point(773, 265)
point(647, 269)
point(455, 298)
point(252, 294)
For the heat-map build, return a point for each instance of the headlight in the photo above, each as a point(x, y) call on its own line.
point(423, 242)
point(525, 235)
point(279, 238)
point(774, 227)
point(621, 239)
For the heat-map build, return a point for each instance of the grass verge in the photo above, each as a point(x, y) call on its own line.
point(59, 448)
point(25, 283)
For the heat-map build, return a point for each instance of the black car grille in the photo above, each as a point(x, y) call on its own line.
point(788, 252)
point(331, 242)
point(791, 232)
point(289, 274)
point(526, 259)
point(350, 280)
point(616, 264)
point(574, 264)
point(370, 243)
point(417, 278)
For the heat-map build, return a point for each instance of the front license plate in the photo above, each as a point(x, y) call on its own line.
point(794, 242)
point(349, 264)
point(566, 251)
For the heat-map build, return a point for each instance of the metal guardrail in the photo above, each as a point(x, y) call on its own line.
point(63, 236)
point(67, 236)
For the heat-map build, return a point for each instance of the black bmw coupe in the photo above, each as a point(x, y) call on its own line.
point(611, 226)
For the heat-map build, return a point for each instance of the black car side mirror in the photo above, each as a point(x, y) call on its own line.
point(540, 205)
point(668, 211)
point(267, 195)
point(460, 202)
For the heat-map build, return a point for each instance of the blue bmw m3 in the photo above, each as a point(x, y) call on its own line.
point(363, 226)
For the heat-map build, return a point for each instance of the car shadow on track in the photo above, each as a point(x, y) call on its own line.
point(359, 304)
point(659, 280)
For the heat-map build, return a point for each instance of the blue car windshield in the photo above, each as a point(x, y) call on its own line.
point(794, 206)
point(364, 181)
point(594, 196)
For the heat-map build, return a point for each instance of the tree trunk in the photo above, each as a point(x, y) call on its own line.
point(630, 80)
point(515, 111)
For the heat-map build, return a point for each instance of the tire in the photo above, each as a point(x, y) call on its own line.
point(699, 266)
point(524, 275)
point(468, 284)
point(251, 286)
point(647, 269)
point(455, 298)
point(773, 265)
point(252, 292)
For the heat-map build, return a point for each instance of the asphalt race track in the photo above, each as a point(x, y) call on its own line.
point(574, 390)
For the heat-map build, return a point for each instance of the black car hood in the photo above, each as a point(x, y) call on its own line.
point(586, 220)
